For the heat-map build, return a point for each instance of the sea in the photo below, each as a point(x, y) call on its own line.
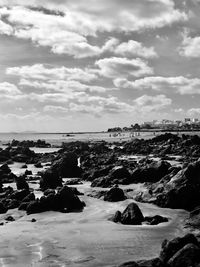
point(57, 138)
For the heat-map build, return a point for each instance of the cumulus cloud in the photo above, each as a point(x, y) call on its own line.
point(148, 103)
point(123, 67)
point(194, 112)
point(63, 86)
point(66, 32)
point(190, 46)
point(130, 48)
point(179, 84)
point(9, 89)
point(128, 15)
point(43, 72)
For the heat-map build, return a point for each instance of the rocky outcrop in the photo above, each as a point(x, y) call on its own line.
point(194, 219)
point(179, 252)
point(114, 194)
point(50, 179)
point(132, 215)
point(65, 200)
point(177, 190)
point(67, 166)
point(151, 173)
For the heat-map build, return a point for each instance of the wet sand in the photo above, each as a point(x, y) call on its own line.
point(84, 239)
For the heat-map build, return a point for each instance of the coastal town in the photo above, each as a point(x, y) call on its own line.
point(187, 124)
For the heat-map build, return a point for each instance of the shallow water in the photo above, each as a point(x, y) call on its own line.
point(86, 239)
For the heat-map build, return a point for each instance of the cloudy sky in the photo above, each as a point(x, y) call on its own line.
point(76, 65)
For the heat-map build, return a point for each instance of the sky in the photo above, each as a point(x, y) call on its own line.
point(76, 65)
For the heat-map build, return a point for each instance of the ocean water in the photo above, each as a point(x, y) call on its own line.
point(58, 138)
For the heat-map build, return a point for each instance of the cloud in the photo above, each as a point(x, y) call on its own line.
point(190, 46)
point(9, 89)
point(179, 84)
point(123, 67)
point(130, 48)
point(194, 112)
point(128, 16)
point(43, 72)
point(55, 109)
point(94, 105)
point(148, 103)
point(5, 28)
point(63, 86)
point(66, 30)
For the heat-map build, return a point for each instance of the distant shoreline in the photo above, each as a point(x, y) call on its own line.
point(141, 130)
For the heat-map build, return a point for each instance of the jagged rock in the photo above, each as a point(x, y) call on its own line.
point(152, 173)
point(132, 215)
point(3, 209)
point(157, 219)
point(188, 256)
point(117, 217)
point(50, 179)
point(65, 200)
point(67, 166)
point(114, 194)
point(170, 248)
point(21, 183)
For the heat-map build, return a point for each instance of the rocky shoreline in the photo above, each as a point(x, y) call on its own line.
point(168, 166)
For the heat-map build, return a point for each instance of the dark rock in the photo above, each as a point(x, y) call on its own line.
point(28, 172)
point(102, 182)
point(33, 207)
point(188, 256)
point(23, 206)
point(65, 200)
point(12, 203)
point(129, 264)
point(33, 220)
point(50, 179)
point(38, 165)
point(169, 248)
point(19, 194)
point(151, 263)
point(67, 166)
point(114, 194)
point(194, 219)
point(73, 181)
point(49, 191)
point(24, 166)
point(5, 169)
point(152, 173)
point(21, 183)
point(119, 173)
point(10, 219)
point(132, 215)
point(157, 219)
point(3, 209)
point(117, 217)
point(29, 198)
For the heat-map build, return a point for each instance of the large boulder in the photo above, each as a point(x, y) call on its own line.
point(67, 166)
point(3, 209)
point(21, 183)
point(132, 215)
point(152, 173)
point(50, 179)
point(170, 248)
point(120, 174)
point(65, 201)
point(114, 194)
point(188, 256)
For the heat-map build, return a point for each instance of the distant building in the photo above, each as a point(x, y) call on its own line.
point(187, 120)
point(195, 120)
